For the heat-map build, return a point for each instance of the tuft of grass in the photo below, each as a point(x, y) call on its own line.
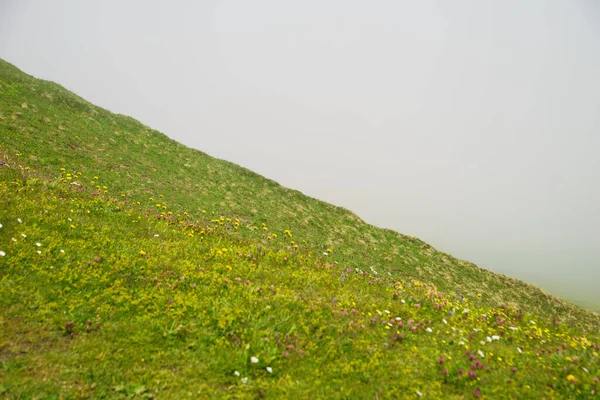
point(133, 266)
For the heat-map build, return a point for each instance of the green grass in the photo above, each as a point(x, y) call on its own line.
point(161, 272)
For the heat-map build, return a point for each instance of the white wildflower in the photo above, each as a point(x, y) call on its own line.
point(519, 350)
point(62, 251)
point(373, 269)
point(245, 380)
point(444, 321)
point(489, 339)
point(156, 235)
point(13, 239)
point(403, 301)
point(495, 337)
point(20, 220)
point(236, 373)
point(429, 330)
point(39, 252)
point(480, 353)
point(24, 235)
point(2, 254)
point(386, 311)
point(0, 225)
point(38, 244)
point(419, 394)
point(513, 328)
point(325, 253)
point(253, 360)
point(270, 370)
point(532, 322)
point(398, 319)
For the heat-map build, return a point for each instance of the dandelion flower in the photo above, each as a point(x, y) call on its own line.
point(142, 253)
point(2, 254)
point(253, 360)
point(270, 370)
point(571, 378)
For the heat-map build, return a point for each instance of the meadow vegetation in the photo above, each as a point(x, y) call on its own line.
point(133, 266)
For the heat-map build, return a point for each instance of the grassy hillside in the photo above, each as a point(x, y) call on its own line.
point(134, 266)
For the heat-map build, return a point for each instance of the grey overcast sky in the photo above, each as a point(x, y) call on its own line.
point(474, 125)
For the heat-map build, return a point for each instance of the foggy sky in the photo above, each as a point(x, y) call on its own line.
point(473, 125)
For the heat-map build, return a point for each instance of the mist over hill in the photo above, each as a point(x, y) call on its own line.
point(133, 265)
